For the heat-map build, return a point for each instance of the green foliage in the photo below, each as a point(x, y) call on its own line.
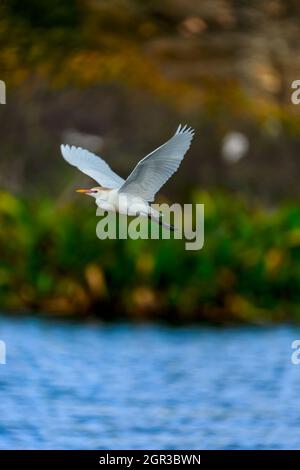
point(248, 270)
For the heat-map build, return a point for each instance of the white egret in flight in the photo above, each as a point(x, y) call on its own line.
point(132, 196)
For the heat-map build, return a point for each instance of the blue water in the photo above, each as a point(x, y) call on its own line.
point(89, 386)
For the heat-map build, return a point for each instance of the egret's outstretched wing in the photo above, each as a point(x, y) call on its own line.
point(91, 165)
point(155, 169)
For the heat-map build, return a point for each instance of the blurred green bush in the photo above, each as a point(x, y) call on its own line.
point(248, 270)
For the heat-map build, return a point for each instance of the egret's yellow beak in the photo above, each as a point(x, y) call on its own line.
point(85, 191)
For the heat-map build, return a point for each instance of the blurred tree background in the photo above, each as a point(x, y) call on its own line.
point(117, 77)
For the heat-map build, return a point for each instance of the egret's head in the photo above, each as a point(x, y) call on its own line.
point(94, 192)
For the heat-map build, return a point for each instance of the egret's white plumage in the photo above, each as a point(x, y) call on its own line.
point(132, 196)
point(92, 165)
point(151, 173)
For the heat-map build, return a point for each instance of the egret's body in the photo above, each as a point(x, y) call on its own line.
point(132, 196)
point(111, 199)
